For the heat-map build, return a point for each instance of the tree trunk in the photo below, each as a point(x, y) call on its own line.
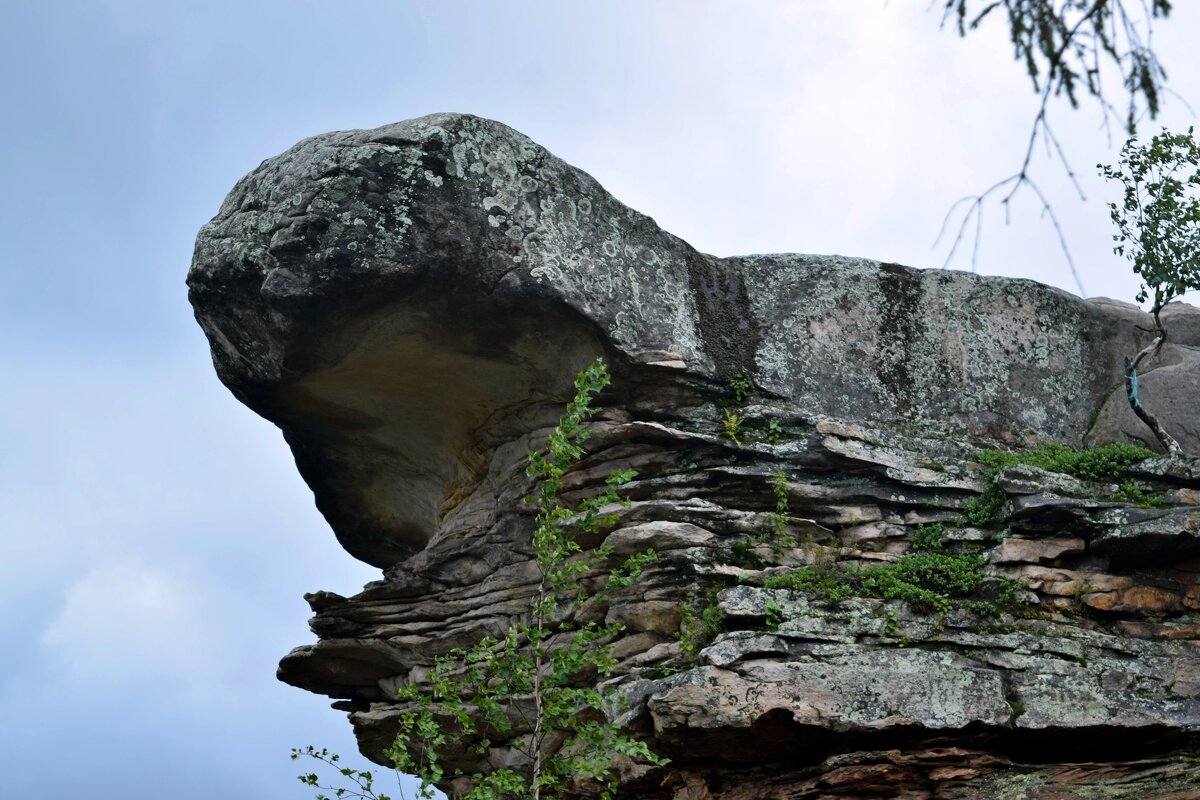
point(1131, 385)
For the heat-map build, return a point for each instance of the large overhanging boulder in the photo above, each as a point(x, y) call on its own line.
point(400, 300)
point(409, 304)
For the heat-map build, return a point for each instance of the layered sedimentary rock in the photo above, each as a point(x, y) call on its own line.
point(409, 304)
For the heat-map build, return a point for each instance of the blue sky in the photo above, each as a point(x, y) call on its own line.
point(157, 539)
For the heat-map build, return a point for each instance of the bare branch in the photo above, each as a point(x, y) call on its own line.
point(1064, 48)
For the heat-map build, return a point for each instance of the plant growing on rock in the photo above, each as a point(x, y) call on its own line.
point(927, 538)
point(700, 622)
point(988, 507)
point(774, 615)
point(1110, 463)
point(937, 582)
point(731, 423)
point(1158, 229)
point(740, 385)
point(777, 535)
point(534, 687)
point(1133, 492)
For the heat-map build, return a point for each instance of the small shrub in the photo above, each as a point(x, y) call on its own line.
point(741, 550)
point(1131, 492)
point(740, 385)
point(1109, 463)
point(935, 581)
point(927, 538)
point(985, 509)
point(891, 628)
point(816, 580)
point(699, 623)
point(927, 579)
point(774, 615)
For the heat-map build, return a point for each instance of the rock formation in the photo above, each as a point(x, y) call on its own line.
point(409, 305)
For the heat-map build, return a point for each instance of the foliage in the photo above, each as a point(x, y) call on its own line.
point(816, 580)
point(1067, 47)
point(777, 535)
point(1138, 495)
point(533, 686)
point(1063, 45)
point(1158, 229)
point(774, 431)
point(700, 622)
point(774, 617)
point(935, 581)
point(1158, 218)
point(731, 423)
point(891, 627)
point(985, 509)
point(927, 538)
point(740, 385)
point(1108, 463)
point(362, 781)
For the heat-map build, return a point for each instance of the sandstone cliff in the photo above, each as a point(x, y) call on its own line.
point(409, 305)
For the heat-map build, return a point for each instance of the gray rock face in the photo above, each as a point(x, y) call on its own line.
point(409, 304)
point(386, 295)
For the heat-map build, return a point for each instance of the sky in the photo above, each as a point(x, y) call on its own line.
point(156, 537)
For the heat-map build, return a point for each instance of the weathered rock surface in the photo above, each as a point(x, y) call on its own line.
point(409, 305)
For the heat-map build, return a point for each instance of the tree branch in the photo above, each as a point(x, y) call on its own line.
point(1060, 53)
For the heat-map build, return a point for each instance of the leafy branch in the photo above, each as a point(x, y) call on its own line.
point(362, 781)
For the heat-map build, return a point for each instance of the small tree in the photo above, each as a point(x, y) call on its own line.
point(1158, 229)
point(534, 687)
